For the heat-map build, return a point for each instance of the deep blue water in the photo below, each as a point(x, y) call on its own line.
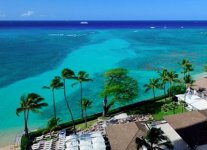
point(32, 53)
point(102, 24)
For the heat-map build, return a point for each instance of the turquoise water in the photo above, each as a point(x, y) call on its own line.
point(31, 58)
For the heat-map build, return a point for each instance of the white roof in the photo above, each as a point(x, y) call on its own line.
point(99, 146)
point(70, 137)
point(121, 116)
point(98, 140)
point(86, 147)
point(194, 101)
point(96, 134)
point(72, 143)
point(85, 142)
point(72, 148)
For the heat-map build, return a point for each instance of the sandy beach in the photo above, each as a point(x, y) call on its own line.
point(5, 147)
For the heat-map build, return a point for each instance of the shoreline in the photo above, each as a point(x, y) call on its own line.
point(199, 75)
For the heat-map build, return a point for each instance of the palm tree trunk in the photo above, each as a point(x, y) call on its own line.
point(85, 118)
point(54, 107)
point(164, 88)
point(170, 89)
point(81, 97)
point(71, 115)
point(105, 106)
point(25, 124)
point(153, 90)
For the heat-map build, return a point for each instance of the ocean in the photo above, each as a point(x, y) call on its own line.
point(33, 52)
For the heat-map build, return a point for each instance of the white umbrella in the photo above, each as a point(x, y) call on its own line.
point(98, 140)
point(86, 147)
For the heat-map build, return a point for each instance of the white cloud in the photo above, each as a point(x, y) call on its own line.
point(28, 13)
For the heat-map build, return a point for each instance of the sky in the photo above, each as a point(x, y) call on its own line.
point(103, 10)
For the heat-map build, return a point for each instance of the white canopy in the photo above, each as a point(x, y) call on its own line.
point(85, 142)
point(70, 137)
point(98, 140)
point(72, 143)
point(96, 134)
point(72, 148)
point(194, 101)
point(121, 116)
point(86, 147)
point(99, 146)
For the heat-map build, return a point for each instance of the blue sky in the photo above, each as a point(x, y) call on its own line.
point(103, 10)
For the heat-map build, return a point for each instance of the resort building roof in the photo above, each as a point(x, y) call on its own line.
point(194, 101)
point(123, 136)
point(200, 83)
point(191, 126)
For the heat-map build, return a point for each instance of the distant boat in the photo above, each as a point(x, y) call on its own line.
point(152, 27)
point(83, 22)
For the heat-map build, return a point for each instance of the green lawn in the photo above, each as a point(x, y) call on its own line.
point(154, 108)
point(82, 125)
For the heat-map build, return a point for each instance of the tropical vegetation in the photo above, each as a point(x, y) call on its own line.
point(80, 78)
point(68, 74)
point(154, 140)
point(55, 84)
point(118, 87)
point(30, 102)
point(86, 104)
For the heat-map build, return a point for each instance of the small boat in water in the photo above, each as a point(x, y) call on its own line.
point(83, 22)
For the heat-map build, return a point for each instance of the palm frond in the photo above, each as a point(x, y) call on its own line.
point(74, 84)
point(45, 87)
point(19, 110)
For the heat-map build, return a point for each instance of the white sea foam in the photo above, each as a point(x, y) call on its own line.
point(56, 34)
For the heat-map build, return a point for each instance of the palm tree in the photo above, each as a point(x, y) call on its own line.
point(55, 84)
point(31, 102)
point(82, 77)
point(172, 77)
point(153, 84)
point(154, 140)
point(52, 124)
point(68, 74)
point(163, 80)
point(86, 103)
point(187, 67)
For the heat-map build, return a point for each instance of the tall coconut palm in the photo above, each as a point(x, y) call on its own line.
point(188, 81)
point(81, 77)
point(186, 66)
point(31, 102)
point(152, 85)
point(172, 78)
point(163, 80)
point(154, 140)
point(55, 84)
point(86, 103)
point(68, 74)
